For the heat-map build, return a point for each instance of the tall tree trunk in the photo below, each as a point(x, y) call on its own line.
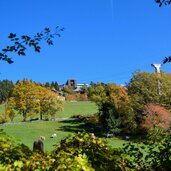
point(41, 116)
point(24, 116)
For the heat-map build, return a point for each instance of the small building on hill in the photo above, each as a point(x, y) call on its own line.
point(75, 87)
point(72, 83)
point(59, 95)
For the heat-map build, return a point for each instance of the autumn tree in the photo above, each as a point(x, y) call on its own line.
point(155, 115)
point(68, 89)
point(49, 103)
point(145, 88)
point(114, 107)
point(24, 98)
point(31, 99)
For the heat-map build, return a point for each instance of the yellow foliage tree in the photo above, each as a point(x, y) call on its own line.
point(49, 103)
point(115, 111)
point(31, 99)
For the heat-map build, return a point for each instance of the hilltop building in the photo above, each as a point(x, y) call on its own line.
point(72, 83)
point(75, 87)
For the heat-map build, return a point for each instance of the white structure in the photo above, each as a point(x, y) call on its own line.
point(79, 86)
point(157, 67)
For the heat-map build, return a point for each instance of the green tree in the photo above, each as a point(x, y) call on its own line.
point(145, 88)
point(84, 89)
point(47, 85)
point(6, 87)
point(153, 154)
point(68, 89)
point(96, 92)
point(52, 84)
point(115, 111)
point(56, 86)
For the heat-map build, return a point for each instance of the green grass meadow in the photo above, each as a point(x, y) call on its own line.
point(77, 108)
point(29, 131)
point(70, 109)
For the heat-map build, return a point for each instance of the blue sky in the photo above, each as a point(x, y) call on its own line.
point(104, 40)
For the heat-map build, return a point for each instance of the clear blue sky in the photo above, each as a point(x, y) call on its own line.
point(104, 40)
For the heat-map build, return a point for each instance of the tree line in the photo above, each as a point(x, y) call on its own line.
point(129, 109)
point(6, 87)
point(29, 99)
point(141, 106)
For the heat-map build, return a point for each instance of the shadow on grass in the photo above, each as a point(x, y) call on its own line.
point(76, 125)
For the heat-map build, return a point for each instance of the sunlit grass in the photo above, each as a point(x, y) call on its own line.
point(28, 132)
point(115, 142)
point(70, 109)
point(77, 108)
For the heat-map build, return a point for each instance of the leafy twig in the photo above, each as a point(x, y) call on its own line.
point(163, 2)
point(20, 44)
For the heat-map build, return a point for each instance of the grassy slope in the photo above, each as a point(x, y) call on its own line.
point(28, 132)
point(76, 108)
point(70, 109)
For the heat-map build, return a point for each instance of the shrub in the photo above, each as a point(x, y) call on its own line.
point(10, 113)
point(87, 151)
point(76, 97)
point(150, 155)
point(3, 117)
point(10, 151)
point(155, 115)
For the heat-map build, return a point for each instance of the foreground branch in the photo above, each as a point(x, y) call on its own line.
point(20, 44)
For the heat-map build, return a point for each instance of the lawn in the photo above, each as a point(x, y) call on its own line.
point(70, 109)
point(29, 131)
point(77, 108)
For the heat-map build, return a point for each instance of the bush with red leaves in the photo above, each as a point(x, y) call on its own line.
point(156, 116)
